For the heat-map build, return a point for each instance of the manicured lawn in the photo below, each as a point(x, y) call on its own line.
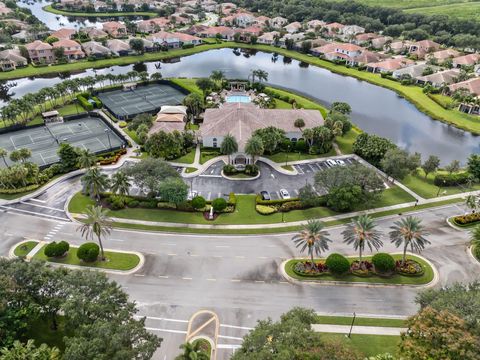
point(188, 158)
point(188, 84)
point(23, 249)
point(302, 101)
point(65, 110)
point(427, 189)
point(359, 321)
point(115, 260)
point(190, 169)
point(369, 345)
point(49, 8)
point(288, 167)
point(79, 202)
point(207, 154)
point(391, 196)
point(345, 142)
point(466, 10)
point(132, 134)
point(280, 104)
point(281, 157)
point(395, 279)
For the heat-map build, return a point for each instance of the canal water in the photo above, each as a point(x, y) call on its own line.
point(376, 110)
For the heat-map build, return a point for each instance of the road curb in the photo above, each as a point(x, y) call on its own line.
point(470, 252)
point(11, 251)
point(240, 179)
point(292, 280)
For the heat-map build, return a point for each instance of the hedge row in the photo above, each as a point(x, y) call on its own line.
point(20, 190)
point(260, 201)
point(467, 219)
point(451, 179)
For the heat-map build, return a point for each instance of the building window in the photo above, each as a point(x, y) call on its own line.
point(214, 142)
point(293, 140)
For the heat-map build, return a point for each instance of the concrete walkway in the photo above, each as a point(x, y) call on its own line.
point(360, 330)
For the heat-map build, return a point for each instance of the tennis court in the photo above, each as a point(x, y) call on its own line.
point(85, 133)
point(125, 104)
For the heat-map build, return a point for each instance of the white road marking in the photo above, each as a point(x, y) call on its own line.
point(211, 279)
point(160, 318)
point(186, 278)
point(235, 280)
point(230, 337)
point(33, 213)
point(222, 246)
point(139, 275)
point(172, 254)
point(228, 346)
point(40, 201)
point(163, 277)
point(166, 330)
point(235, 327)
point(42, 206)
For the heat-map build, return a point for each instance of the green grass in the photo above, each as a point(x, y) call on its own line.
point(49, 8)
point(463, 11)
point(345, 142)
point(188, 158)
point(359, 321)
point(281, 157)
point(115, 260)
point(65, 110)
point(23, 249)
point(369, 345)
point(193, 127)
point(188, 84)
point(133, 135)
point(207, 154)
point(280, 104)
point(394, 280)
point(190, 169)
point(427, 189)
point(79, 203)
point(287, 167)
point(302, 101)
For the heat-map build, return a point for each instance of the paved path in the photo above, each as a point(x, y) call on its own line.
point(363, 330)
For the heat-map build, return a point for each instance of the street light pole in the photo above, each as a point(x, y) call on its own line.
point(351, 326)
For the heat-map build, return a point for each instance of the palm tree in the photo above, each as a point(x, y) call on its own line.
point(192, 351)
point(409, 232)
point(360, 232)
point(86, 159)
point(313, 238)
point(217, 76)
point(229, 146)
point(120, 183)
point(4, 153)
point(96, 224)
point(299, 123)
point(475, 237)
point(471, 202)
point(94, 183)
point(254, 147)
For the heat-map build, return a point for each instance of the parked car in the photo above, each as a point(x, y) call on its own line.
point(341, 162)
point(331, 162)
point(192, 194)
point(284, 194)
point(265, 195)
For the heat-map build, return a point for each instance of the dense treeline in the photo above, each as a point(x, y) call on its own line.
point(449, 31)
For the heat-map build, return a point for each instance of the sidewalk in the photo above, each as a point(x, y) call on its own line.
point(359, 330)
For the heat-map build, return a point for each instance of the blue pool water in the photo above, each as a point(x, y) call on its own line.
point(238, 99)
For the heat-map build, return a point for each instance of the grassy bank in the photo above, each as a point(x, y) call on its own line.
point(51, 9)
point(369, 345)
point(412, 93)
point(359, 321)
point(395, 279)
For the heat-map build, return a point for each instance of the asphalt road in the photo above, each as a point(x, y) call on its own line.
point(238, 277)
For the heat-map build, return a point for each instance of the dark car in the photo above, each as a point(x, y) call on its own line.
point(265, 195)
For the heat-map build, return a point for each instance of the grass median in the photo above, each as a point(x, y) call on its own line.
point(395, 279)
point(360, 321)
point(24, 249)
point(369, 345)
point(115, 260)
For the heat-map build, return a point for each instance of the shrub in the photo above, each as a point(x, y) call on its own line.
point(301, 146)
point(122, 124)
point(337, 264)
point(88, 252)
point(251, 169)
point(56, 249)
point(232, 199)
point(383, 262)
point(265, 210)
point(291, 205)
point(260, 201)
point(166, 205)
point(148, 204)
point(84, 102)
point(133, 203)
point(219, 204)
point(476, 252)
point(467, 219)
point(116, 202)
point(198, 202)
point(229, 170)
point(451, 179)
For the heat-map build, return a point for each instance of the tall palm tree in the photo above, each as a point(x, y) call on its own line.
point(229, 146)
point(86, 159)
point(94, 183)
point(3, 154)
point(475, 236)
point(192, 351)
point(120, 183)
point(313, 238)
point(360, 232)
point(409, 232)
point(217, 76)
point(254, 147)
point(96, 224)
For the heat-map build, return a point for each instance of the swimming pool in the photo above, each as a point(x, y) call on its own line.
point(238, 99)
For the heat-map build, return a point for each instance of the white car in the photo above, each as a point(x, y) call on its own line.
point(284, 194)
point(341, 162)
point(192, 194)
point(331, 162)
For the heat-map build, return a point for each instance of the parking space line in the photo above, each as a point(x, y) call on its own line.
point(299, 169)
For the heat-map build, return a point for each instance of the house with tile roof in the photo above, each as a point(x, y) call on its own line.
point(72, 49)
point(438, 79)
point(169, 119)
point(95, 49)
point(119, 47)
point(95, 34)
point(389, 65)
point(11, 59)
point(64, 33)
point(153, 25)
point(443, 55)
point(114, 29)
point(471, 85)
point(40, 52)
point(413, 71)
point(293, 27)
point(466, 60)
point(268, 38)
point(278, 22)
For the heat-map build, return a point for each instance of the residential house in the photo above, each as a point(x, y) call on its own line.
point(440, 78)
point(365, 57)
point(153, 25)
point(64, 33)
point(119, 47)
point(169, 119)
point(195, 29)
point(165, 39)
point(268, 38)
point(344, 51)
point(262, 20)
point(227, 8)
point(293, 27)
point(95, 34)
point(398, 47)
point(278, 22)
point(247, 33)
point(40, 52)
point(472, 85)
point(95, 49)
point(148, 45)
point(443, 55)
point(413, 71)
point(115, 29)
point(389, 65)
point(350, 31)
point(293, 37)
point(186, 39)
point(315, 25)
point(324, 49)
point(380, 42)
point(423, 47)
point(11, 59)
point(240, 19)
point(334, 28)
point(72, 49)
point(179, 19)
point(226, 33)
point(466, 60)
point(364, 39)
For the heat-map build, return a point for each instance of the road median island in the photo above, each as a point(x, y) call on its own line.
point(424, 275)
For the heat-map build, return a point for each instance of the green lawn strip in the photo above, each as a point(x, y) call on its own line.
point(69, 109)
point(474, 253)
point(190, 169)
point(463, 226)
point(188, 158)
point(280, 104)
point(369, 345)
point(51, 9)
point(394, 280)
point(24, 248)
point(282, 157)
point(302, 101)
point(207, 154)
point(79, 203)
point(133, 135)
point(287, 167)
point(188, 84)
point(427, 189)
point(359, 321)
point(345, 142)
point(115, 260)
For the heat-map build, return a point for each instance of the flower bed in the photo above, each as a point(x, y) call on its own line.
point(415, 271)
point(466, 220)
